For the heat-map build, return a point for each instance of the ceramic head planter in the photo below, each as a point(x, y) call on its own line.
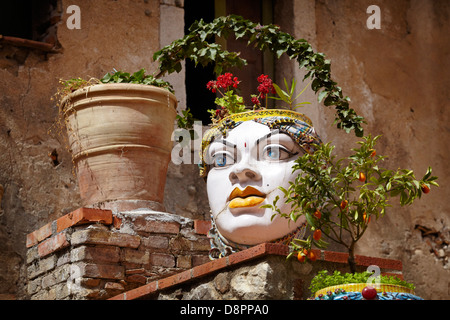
point(245, 158)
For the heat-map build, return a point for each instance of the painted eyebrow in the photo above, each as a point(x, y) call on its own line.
point(267, 136)
point(225, 142)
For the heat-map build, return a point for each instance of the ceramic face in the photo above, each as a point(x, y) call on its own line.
point(247, 167)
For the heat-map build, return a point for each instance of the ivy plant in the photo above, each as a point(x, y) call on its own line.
point(199, 46)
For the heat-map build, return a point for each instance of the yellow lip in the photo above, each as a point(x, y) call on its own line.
point(248, 197)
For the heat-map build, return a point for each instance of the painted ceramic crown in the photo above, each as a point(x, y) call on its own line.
point(298, 126)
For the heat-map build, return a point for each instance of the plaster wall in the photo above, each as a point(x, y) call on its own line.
point(113, 34)
point(396, 77)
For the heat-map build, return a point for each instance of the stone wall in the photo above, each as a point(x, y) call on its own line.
point(96, 254)
point(259, 273)
point(396, 78)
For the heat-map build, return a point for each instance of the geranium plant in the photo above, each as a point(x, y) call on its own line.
point(229, 102)
point(339, 198)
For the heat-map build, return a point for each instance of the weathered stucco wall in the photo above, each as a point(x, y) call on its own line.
point(396, 77)
point(113, 34)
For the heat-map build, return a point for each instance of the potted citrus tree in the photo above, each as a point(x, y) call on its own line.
point(339, 198)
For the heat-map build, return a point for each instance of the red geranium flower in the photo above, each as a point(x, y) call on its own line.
point(266, 86)
point(255, 100)
point(212, 85)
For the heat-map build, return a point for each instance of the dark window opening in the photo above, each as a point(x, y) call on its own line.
point(198, 98)
point(30, 19)
point(258, 62)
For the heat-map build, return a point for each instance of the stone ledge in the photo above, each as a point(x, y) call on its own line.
point(77, 217)
point(259, 251)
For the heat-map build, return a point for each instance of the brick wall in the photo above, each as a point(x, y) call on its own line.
point(259, 273)
point(96, 254)
point(144, 254)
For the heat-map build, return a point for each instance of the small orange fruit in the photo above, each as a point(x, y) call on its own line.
point(344, 204)
point(317, 214)
point(362, 177)
point(317, 234)
point(300, 257)
point(312, 256)
point(425, 188)
point(365, 218)
point(374, 153)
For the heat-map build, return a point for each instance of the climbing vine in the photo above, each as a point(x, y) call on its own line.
point(198, 46)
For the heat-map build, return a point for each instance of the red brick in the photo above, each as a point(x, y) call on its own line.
point(135, 271)
point(162, 260)
point(117, 222)
point(82, 216)
point(138, 292)
point(185, 262)
point(102, 271)
point(53, 244)
point(97, 254)
point(106, 237)
point(202, 244)
point(202, 226)
point(210, 267)
point(40, 234)
point(136, 278)
point(380, 262)
point(135, 256)
point(156, 242)
point(114, 286)
point(277, 249)
point(332, 256)
point(174, 279)
point(120, 296)
point(249, 254)
point(154, 226)
point(199, 259)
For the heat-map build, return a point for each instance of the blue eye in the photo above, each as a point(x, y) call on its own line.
point(276, 153)
point(273, 153)
point(220, 160)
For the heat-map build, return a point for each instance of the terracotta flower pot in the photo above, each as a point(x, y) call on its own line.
point(120, 139)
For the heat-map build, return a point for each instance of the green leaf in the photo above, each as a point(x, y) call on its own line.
point(310, 219)
point(281, 93)
point(322, 95)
